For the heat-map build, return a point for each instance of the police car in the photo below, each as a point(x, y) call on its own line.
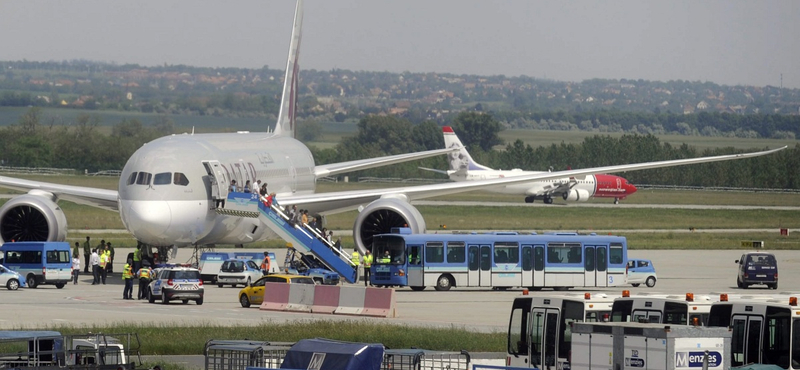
point(176, 283)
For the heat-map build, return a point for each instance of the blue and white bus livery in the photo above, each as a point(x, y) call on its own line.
point(498, 260)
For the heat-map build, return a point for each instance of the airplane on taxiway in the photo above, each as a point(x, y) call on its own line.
point(574, 189)
point(165, 195)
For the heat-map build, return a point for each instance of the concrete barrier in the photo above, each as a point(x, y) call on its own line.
point(329, 299)
point(326, 299)
point(351, 300)
point(379, 302)
point(276, 296)
point(301, 297)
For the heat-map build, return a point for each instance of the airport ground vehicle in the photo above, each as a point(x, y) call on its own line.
point(11, 279)
point(298, 263)
point(666, 309)
point(537, 318)
point(39, 262)
point(176, 283)
point(651, 346)
point(498, 260)
point(763, 331)
point(52, 350)
point(757, 268)
point(211, 262)
point(253, 294)
point(640, 271)
point(237, 271)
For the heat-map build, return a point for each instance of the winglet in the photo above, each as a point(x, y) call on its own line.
point(286, 117)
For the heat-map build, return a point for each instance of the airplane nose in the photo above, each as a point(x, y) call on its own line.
point(631, 188)
point(147, 220)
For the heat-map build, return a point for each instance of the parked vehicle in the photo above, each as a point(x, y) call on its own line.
point(757, 268)
point(235, 271)
point(178, 283)
point(211, 262)
point(253, 294)
point(11, 279)
point(37, 350)
point(39, 262)
point(640, 271)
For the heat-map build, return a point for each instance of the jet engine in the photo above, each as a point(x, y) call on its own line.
point(576, 195)
point(33, 217)
point(380, 216)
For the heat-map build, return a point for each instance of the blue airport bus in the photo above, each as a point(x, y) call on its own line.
point(39, 262)
point(498, 260)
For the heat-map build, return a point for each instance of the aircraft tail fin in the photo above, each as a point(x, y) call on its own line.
point(460, 161)
point(287, 115)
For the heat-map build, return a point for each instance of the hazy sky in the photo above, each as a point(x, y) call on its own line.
point(725, 42)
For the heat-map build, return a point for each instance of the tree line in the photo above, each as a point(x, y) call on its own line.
point(86, 145)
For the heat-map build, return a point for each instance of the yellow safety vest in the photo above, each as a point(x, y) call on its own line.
point(367, 260)
point(103, 260)
point(144, 273)
point(127, 272)
point(356, 258)
point(137, 255)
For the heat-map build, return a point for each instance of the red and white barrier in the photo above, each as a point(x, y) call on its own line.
point(329, 299)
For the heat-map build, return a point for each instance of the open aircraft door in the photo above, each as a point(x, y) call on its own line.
point(219, 181)
point(292, 174)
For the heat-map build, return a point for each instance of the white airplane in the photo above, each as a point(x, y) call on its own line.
point(166, 193)
point(574, 189)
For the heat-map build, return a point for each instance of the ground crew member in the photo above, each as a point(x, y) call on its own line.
point(144, 274)
point(386, 257)
point(137, 257)
point(104, 255)
point(127, 277)
point(87, 252)
point(367, 265)
point(110, 249)
point(265, 264)
point(355, 258)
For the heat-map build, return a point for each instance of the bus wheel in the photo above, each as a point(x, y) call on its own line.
point(31, 281)
point(443, 283)
point(417, 288)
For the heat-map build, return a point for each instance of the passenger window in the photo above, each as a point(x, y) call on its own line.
point(143, 178)
point(434, 252)
point(132, 178)
point(456, 252)
point(162, 178)
point(180, 179)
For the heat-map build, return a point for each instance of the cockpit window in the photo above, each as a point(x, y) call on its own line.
point(180, 179)
point(143, 178)
point(132, 178)
point(162, 178)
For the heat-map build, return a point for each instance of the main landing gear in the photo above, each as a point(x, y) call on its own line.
point(546, 199)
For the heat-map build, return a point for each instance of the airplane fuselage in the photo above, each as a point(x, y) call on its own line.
point(601, 186)
point(165, 192)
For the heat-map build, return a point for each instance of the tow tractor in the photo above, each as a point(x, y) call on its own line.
point(299, 263)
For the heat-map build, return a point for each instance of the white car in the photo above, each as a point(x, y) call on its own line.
point(235, 271)
point(11, 279)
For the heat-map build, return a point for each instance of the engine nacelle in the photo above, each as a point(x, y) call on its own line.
point(576, 195)
point(33, 217)
point(380, 216)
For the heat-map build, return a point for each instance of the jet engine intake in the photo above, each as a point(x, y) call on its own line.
point(380, 216)
point(576, 195)
point(33, 217)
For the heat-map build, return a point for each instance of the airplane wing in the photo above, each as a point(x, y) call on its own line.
point(363, 164)
point(334, 202)
point(102, 198)
point(443, 172)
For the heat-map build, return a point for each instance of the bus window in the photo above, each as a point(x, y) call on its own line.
point(720, 315)
point(506, 253)
point(775, 341)
point(588, 262)
point(58, 257)
point(601, 259)
point(621, 310)
point(434, 252)
point(537, 328)
point(414, 252)
point(538, 258)
point(456, 252)
point(753, 335)
point(517, 338)
point(572, 312)
point(676, 313)
point(474, 258)
point(737, 342)
point(564, 253)
point(486, 257)
point(796, 344)
point(527, 263)
point(615, 254)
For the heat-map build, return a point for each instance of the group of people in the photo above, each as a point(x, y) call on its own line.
point(100, 258)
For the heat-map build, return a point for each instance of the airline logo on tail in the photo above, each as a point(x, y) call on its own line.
point(459, 161)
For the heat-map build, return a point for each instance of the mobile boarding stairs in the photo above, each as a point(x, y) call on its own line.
point(303, 238)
